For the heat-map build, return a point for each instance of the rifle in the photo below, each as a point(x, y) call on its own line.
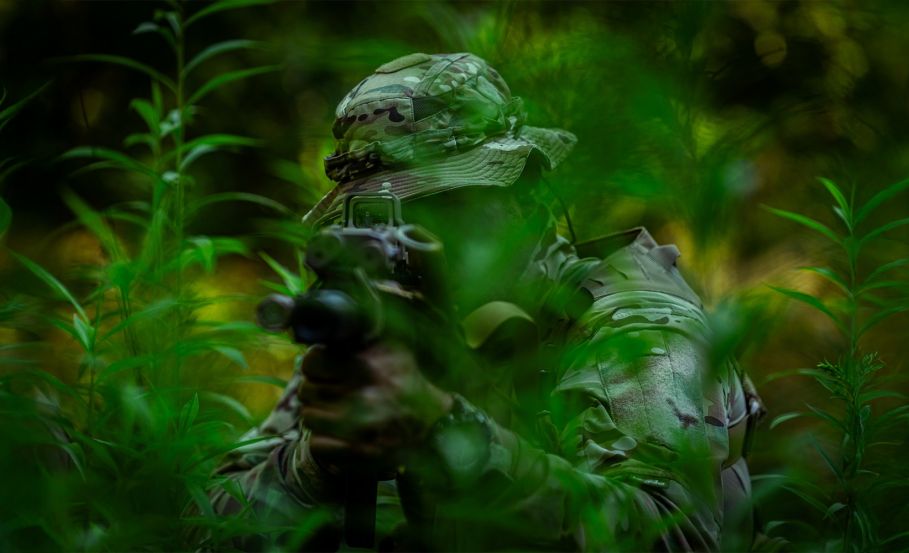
point(376, 277)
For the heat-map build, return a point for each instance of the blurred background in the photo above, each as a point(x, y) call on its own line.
point(690, 117)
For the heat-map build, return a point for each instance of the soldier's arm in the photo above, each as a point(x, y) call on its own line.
point(275, 481)
point(638, 443)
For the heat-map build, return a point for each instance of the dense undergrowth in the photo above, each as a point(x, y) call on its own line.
point(120, 375)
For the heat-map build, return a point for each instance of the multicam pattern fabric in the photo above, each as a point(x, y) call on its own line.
point(418, 107)
point(637, 451)
point(446, 112)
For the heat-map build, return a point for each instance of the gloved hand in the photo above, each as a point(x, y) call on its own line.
point(373, 404)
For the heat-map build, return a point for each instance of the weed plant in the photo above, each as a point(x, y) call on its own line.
point(110, 459)
point(869, 417)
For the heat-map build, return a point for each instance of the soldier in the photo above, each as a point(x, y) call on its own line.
point(602, 425)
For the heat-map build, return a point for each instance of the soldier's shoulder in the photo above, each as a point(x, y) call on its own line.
point(632, 261)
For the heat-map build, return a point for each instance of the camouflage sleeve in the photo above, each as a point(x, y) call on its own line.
point(274, 480)
point(637, 440)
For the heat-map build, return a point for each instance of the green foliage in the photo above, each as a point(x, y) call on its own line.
point(852, 380)
point(141, 431)
point(117, 390)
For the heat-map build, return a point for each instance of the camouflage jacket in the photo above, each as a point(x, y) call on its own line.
point(639, 445)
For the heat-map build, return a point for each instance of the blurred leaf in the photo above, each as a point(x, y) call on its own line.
point(780, 419)
point(157, 308)
point(219, 48)
point(830, 275)
point(262, 379)
point(128, 63)
point(198, 147)
point(813, 302)
point(7, 113)
point(202, 501)
point(117, 158)
point(844, 212)
point(235, 197)
point(880, 317)
point(222, 6)
point(94, 223)
point(833, 509)
point(233, 354)
point(880, 198)
point(151, 27)
point(140, 138)
point(206, 250)
point(826, 416)
point(189, 413)
point(880, 394)
point(291, 281)
point(6, 216)
point(7, 169)
point(814, 502)
point(85, 333)
point(871, 235)
point(807, 222)
point(148, 113)
point(225, 78)
point(51, 281)
point(887, 267)
point(234, 406)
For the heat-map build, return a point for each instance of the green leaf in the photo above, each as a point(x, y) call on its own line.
point(7, 114)
point(880, 198)
point(813, 302)
point(826, 416)
point(882, 284)
point(896, 537)
point(783, 418)
point(206, 250)
point(140, 138)
point(222, 6)
point(85, 333)
point(195, 149)
point(218, 48)
point(226, 78)
point(880, 317)
point(807, 498)
point(202, 501)
point(833, 509)
point(233, 354)
point(148, 113)
point(235, 197)
point(189, 413)
point(51, 281)
point(882, 229)
point(233, 405)
point(887, 267)
point(262, 379)
point(844, 212)
point(10, 169)
point(830, 275)
point(807, 222)
point(119, 159)
point(291, 281)
point(152, 27)
point(158, 308)
point(128, 63)
point(879, 394)
point(95, 223)
point(6, 216)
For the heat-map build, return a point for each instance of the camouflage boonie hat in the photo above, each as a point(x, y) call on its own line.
point(424, 124)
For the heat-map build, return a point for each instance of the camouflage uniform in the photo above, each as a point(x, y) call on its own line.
point(637, 440)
